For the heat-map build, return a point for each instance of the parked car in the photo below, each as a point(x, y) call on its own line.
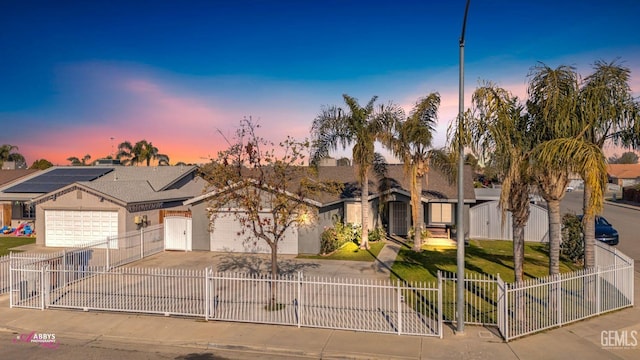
point(605, 232)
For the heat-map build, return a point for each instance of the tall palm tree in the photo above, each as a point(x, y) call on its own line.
point(500, 129)
point(7, 153)
point(144, 152)
point(125, 154)
point(361, 126)
point(84, 161)
point(561, 149)
point(606, 108)
point(412, 143)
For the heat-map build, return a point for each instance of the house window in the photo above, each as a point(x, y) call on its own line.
point(441, 213)
point(354, 214)
point(23, 210)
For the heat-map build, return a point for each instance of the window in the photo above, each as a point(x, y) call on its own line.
point(441, 213)
point(23, 210)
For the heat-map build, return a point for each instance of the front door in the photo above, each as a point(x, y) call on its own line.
point(399, 218)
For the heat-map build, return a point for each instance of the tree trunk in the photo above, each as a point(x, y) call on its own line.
point(364, 204)
point(518, 250)
point(589, 228)
point(274, 274)
point(555, 236)
point(416, 210)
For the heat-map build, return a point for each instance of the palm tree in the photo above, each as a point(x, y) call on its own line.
point(606, 108)
point(413, 144)
point(561, 149)
point(125, 154)
point(361, 126)
point(499, 129)
point(7, 154)
point(79, 162)
point(145, 152)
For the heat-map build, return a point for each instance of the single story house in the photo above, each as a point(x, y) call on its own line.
point(77, 204)
point(624, 174)
point(439, 198)
point(12, 212)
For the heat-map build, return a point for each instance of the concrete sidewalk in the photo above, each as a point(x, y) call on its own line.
point(581, 340)
point(589, 339)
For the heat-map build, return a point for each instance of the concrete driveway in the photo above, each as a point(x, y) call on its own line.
point(261, 263)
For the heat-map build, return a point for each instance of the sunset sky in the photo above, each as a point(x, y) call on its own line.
point(80, 77)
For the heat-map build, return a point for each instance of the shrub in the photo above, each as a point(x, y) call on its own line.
point(334, 237)
point(376, 234)
point(572, 246)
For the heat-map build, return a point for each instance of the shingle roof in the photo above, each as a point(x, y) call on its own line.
point(133, 191)
point(158, 177)
point(434, 186)
point(133, 184)
point(9, 176)
point(624, 171)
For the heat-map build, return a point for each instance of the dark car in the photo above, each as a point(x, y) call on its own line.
point(605, 231)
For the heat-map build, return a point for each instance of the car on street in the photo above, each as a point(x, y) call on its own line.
point(605, 232)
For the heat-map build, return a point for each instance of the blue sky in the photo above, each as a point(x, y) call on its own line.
point(74, 74)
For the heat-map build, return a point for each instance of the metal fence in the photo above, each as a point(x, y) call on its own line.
point(518, 309)
point(538, 304)
point(480, 297)
point(362, 305)
point(4, 274)
point(106, 254)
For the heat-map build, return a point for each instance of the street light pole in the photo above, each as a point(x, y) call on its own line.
point(460, 305)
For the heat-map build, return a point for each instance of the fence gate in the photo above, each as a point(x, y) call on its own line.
point(177, 233)
point(28, 287)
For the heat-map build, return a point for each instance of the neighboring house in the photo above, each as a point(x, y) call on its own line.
point(12, 212)
point(624, 174)
point(439, 199)
point(73, 205)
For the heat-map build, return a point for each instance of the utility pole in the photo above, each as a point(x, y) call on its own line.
point(460, 305)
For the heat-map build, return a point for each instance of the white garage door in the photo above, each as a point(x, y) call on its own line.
point(71, 228)
point(227, 236)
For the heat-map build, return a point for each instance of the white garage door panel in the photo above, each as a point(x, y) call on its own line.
point(227, 236)
point(71, 228)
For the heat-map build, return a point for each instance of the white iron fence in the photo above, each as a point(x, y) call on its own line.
point(538, 304)
point(518, 309)
point(362, 305)
point(480, 297)
point(112, 252)
point(4, 274)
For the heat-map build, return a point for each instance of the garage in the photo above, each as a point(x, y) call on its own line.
point(68, 228)
point(227, 237)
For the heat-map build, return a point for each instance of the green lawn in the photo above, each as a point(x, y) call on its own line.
point(484, 257)
point(7, 242)
point(350, 251)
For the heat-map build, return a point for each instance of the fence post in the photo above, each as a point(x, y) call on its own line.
point(299, 299)
point(11, 280)
point(141, 243)
point(598, 297)
point(501, 311)
point(108, 251)
point(399, 307)
point(207, 294)
point(558, 286)
point(440, 308)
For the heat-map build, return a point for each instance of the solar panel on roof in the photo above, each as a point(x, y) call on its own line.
point(58, 178)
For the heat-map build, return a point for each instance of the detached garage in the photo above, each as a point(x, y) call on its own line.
point(67, 228)
point(227, 236)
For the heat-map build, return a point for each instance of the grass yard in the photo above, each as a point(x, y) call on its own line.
point(484, 257)
point(7, 242)
point(351, 251)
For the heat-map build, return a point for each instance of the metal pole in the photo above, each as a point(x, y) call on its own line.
point(460, 305)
